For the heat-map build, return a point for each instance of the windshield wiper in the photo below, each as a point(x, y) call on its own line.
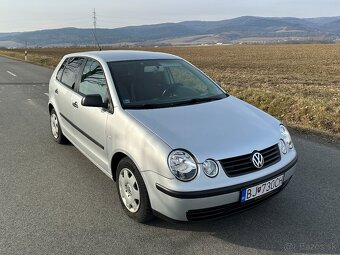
point(198, 100)
point(147, 106)
point(172, 104)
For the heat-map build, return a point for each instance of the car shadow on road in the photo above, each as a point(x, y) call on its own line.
point(286, 223)
point(303, 218)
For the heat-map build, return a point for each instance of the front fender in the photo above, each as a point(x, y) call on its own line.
point(143, 147)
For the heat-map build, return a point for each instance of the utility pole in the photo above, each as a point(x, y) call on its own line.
point(94, 19)
point(95, 28)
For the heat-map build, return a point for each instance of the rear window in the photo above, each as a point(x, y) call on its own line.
point(71, 71)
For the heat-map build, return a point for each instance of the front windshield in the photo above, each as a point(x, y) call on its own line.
point(146, 84)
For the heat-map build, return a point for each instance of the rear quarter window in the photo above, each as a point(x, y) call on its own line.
point(61, 70)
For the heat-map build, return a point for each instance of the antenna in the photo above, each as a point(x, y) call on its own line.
point(95, 28)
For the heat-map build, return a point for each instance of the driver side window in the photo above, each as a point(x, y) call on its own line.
point(93, 80)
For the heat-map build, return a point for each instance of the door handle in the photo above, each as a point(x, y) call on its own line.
point(56, 91)
point(75, 104)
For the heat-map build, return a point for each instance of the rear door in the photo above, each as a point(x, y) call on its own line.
point(91, 121)
point(67, 77)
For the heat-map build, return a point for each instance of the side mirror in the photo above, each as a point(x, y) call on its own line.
point(94, 101)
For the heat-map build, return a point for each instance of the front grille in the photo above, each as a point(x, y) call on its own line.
point(229, 209)
point(243, 164)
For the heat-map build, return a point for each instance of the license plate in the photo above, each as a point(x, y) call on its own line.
point(261, 189)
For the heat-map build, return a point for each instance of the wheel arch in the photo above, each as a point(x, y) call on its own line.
point(50, 107)
point(116, 158)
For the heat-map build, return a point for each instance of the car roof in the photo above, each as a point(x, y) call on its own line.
point(124, 55)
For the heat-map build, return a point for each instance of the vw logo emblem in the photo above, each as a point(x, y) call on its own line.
point(257, 159)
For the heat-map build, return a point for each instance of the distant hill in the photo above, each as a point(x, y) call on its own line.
point(242, 29)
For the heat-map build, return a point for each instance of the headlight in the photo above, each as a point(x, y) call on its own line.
point(286, 136)
point(182, 165)
point(210, 168)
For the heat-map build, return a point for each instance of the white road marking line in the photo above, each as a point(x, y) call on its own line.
point(46, 94)
point(11, 73)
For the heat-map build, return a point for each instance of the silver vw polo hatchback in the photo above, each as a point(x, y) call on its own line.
point(176, 145)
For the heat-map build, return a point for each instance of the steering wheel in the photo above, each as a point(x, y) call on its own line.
point(169, 91)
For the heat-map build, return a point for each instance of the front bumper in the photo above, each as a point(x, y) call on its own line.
point(229, 209)
point(211, 203)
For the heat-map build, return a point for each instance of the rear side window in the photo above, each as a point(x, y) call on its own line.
point(71, 71)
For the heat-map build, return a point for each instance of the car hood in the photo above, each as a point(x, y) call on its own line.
point(219, 129)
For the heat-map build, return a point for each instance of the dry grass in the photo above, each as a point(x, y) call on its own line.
point(299, 84)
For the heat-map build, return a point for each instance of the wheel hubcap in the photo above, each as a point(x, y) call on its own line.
point(54, 126)
point(129, 190)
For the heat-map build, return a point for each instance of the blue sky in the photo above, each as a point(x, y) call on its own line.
point(27, 15)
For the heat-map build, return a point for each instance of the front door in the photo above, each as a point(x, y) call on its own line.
point(91, 121)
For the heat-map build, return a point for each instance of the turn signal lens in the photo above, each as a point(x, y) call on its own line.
point(283, 147)
point(210, 168)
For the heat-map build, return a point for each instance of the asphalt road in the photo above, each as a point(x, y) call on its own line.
point(55, 201)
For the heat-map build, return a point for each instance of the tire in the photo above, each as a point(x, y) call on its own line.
point(132, 191)
point(56, 131)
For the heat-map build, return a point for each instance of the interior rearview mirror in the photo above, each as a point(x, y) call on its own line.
point(153, 69)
